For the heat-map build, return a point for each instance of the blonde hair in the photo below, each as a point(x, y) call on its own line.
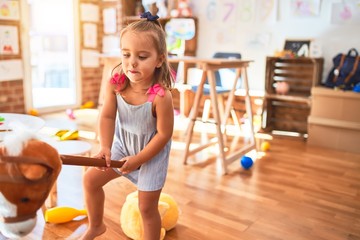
point(163, 75)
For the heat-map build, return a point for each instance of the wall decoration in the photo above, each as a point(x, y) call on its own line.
point(345, 13)
point(266, 11)
point(211, 10)
point(232, 12)
point(90, 35)
point(223, 37)
point(9, 40)
point(305, 8)
point(9, 10)
point(228, 11)
point(90, 58)
point(111, 44)
point(247, 11)
point(258, 40)
point(89, 12)
point(300, 47)
point(180, 28)
point(11, 70)
point(183, 28)
point(109, 15)
point(221, 12)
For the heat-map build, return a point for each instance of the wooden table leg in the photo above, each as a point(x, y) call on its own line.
point(219, 133)
point(248, 147)
point(229, 103)
point(193, 114)
point(248, 106)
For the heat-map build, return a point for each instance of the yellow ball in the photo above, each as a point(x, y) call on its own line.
point(265, 146)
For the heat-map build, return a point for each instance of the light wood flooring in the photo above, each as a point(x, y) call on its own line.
point(293, 192)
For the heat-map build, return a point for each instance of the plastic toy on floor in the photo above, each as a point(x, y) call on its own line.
point(246, 162)
point(357, 88)
point(265, 146)
point(130, 217)
point(63, 214)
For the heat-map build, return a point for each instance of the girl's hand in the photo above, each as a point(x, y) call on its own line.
point(104, 154)
point(129, 165)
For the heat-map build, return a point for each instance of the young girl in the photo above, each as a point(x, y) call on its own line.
point(136, 126)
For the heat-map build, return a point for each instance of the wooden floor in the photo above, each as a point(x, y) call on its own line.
point(292, 192)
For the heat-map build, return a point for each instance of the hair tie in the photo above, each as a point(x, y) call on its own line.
point(149, 16)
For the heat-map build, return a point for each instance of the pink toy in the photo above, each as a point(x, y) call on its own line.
point(183, 9)
point(70, 113)
point(282, 88)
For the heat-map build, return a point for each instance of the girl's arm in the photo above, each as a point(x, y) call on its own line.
point(165, 124)
point(107, 123)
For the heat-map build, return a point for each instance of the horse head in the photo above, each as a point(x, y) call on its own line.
point(28, 170)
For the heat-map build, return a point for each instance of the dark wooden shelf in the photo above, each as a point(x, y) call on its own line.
point(289, 112)
point(301, 99)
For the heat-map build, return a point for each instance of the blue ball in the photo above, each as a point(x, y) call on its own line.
point(357, 88)
point(246, 162)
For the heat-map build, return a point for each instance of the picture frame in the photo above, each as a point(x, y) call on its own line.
point(11, 70)
point(9, 40)
point(10, 10)
point(299, 47)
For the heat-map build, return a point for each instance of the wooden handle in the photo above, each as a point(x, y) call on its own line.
point(5, 130)
point(88, 161)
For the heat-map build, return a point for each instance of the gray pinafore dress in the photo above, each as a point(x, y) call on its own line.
point(135, 127)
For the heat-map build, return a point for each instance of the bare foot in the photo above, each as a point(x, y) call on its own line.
point(92, 233)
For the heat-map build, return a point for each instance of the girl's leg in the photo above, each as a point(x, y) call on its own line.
point(93, 182)
point(148, 205)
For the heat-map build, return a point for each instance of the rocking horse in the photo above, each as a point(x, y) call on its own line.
point(28, 170)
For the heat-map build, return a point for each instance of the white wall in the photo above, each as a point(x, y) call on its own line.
point(229, 25)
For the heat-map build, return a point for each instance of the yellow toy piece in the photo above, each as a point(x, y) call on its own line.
point(171, 216)
point(88, 104)
point(61, 132)
point(70, 135)
point(33, 112)
point(130, 217)
point(265, 146)
point(66, 134)
point(63, 214)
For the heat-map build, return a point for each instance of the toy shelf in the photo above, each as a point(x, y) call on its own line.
point(289, 112)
